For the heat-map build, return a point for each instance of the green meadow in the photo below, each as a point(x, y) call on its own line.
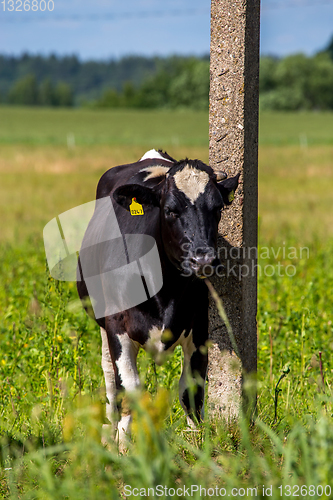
point(52, 397)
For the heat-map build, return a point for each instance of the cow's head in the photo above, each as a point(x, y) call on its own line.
point(190, 198)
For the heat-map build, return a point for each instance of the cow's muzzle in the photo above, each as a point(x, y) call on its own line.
point(203, 264)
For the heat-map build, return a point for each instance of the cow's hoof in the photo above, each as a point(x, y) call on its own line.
point(124, 433)
point(191, 424)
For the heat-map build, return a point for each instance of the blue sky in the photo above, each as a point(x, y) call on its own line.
point(102, 29)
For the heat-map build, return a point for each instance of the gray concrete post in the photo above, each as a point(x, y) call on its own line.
point(233, 146)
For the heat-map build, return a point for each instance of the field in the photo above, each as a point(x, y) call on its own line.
point(51, 386)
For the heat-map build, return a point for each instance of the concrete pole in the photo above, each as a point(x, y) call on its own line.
point(233, 146)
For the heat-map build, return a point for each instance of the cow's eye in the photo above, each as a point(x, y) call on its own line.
point(169, 213)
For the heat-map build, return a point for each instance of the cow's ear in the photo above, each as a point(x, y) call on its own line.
point(227, 189)
point(145, 196)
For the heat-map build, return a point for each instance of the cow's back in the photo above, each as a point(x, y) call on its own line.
point(103, 243)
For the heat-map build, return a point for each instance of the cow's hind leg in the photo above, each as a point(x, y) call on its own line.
point(123, 351)
point(192, 380)
point(110, 383)
point(110, 387)
point(127, 382)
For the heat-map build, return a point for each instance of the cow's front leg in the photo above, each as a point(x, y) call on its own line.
point(192, 380)
point(124, 352)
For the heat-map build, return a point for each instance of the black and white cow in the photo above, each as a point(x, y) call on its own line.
point(181, 208)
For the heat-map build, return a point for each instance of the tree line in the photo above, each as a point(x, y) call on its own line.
point(26, 91)
point(88, 80)
point(179, 82)
point(290, 83)
point(296, 82)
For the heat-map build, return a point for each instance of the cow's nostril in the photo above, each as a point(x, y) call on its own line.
point(203, 259)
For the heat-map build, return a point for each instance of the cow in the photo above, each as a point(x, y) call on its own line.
point(177, 206)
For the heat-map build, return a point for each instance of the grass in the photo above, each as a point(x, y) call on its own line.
point(301, 128)
point(148, 128)
point(295, 186)
point(51, 391)
point(96, 127)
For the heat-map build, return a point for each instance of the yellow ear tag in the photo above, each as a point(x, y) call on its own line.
point(231, 196)
point(136, 208)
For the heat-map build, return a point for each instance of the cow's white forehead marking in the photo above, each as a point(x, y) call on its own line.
point(191, 181)
point(154, 171)
point(152, 153)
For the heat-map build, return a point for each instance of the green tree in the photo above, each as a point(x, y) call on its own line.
point(47, 95)
point(282, 99)
point(25, 91)
point(190, 87)
point(297, 82)
point(154, 92)
point(294, 72)
point(128, 97)
point(109, 99)
point(63, 95)
point(267, 74)
point(320, 85)
point(329, 48)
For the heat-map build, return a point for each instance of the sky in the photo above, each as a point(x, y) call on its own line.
point(104, 29)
